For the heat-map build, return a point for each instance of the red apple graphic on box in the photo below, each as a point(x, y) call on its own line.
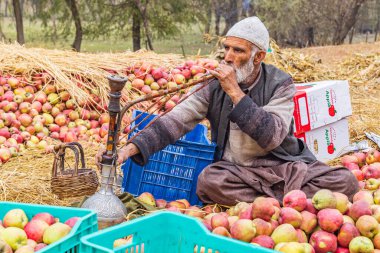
point(332, 111)
point(331, 148)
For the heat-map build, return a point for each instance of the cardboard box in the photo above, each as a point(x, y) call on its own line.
point(328, 141)
point(320, 103)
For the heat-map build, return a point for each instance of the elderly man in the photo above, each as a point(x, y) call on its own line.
point(250, 109)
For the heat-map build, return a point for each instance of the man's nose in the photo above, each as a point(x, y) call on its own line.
point(228, 57)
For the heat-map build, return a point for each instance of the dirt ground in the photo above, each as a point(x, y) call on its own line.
point(331, 55)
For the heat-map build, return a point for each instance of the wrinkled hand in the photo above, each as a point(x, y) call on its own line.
point(227, 77)
point(122, 155)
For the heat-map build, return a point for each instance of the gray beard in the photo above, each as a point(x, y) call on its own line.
point(244, 72)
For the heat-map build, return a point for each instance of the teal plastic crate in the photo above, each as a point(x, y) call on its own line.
point(165, 232)
point(69, 244)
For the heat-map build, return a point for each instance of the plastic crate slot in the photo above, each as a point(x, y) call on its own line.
point(171, 187)
point(171, 175)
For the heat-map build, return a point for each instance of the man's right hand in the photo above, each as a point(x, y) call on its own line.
point(122, 155)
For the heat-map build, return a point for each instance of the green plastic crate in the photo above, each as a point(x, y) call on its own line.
point(69, 244)
point(165, 232)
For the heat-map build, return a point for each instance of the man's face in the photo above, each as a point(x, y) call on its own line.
point(238, 52)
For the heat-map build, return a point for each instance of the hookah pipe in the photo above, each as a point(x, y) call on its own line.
point(109, 208)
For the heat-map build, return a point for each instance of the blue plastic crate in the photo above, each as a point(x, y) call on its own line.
point(165, 232)
point(171, 173)
point(69, 244)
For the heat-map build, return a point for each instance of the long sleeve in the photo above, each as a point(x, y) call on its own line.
point(172, 126)
point(267, 125)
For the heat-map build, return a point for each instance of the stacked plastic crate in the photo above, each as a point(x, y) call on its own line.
point(320, 117)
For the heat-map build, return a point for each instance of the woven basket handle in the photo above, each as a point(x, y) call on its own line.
point(59, 159)
point(77, 144)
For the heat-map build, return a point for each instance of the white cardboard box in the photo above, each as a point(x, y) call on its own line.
point(327, 142)
point(320, 103)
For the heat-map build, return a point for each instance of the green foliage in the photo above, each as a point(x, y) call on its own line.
point(102, 19)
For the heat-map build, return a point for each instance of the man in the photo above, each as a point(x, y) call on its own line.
point(250, 109)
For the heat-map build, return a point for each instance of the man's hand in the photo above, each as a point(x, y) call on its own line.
point(122, 155)
point(227, 77)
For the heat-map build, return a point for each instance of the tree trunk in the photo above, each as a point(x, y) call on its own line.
point(231, 15)
point(136, 31)
point(208, 17)
point(218, 14)
point(310, 36)
point(6, 8)
point(2, 35)
point(78, 27)
point(22, 5)
point(352, 35)
point(346, 21)
point(19, 24)
point(143, 12)
point(377, 26)
point(54, 35)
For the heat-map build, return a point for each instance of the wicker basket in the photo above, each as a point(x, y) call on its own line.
point(66, 183)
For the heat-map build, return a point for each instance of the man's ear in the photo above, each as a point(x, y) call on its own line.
point(259, 57)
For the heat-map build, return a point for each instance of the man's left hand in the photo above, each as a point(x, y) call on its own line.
point(227, 77)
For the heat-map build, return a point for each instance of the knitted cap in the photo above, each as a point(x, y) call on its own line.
point(253, 30)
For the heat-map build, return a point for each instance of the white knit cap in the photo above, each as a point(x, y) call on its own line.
point(253, 30)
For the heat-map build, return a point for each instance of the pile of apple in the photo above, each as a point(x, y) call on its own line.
point(149, 79)
point(33, 112)
point(328, 222)
point(366, 168)
point(20, 235)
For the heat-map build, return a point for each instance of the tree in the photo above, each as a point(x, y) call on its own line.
point(136, 31)
point(2, 35)
point(345, 18)
point(142, 6)
point(377, 29)
point(19, 23)
point(78, 26)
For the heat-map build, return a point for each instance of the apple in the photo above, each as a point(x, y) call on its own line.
point(14, 237)
point(346, 233)
point(264, 241)
point(15, 218)
point(323, 241)
point(367, 226)
point(262, 227)
point(309, 222)
point(361, 244)
point(25, 249)
point(40, 246)
point(4, 247)
point(262, 208)
point(72, 221)
point(55, 232)
point(47, 217)
point(284, 233)
point(295, 199)
point(221, 231)
point(342, 202)
point(147, 198)
point(324, 198)
point(35, 229)
point(119, 242)
point(290, 216)
point(243, 229)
